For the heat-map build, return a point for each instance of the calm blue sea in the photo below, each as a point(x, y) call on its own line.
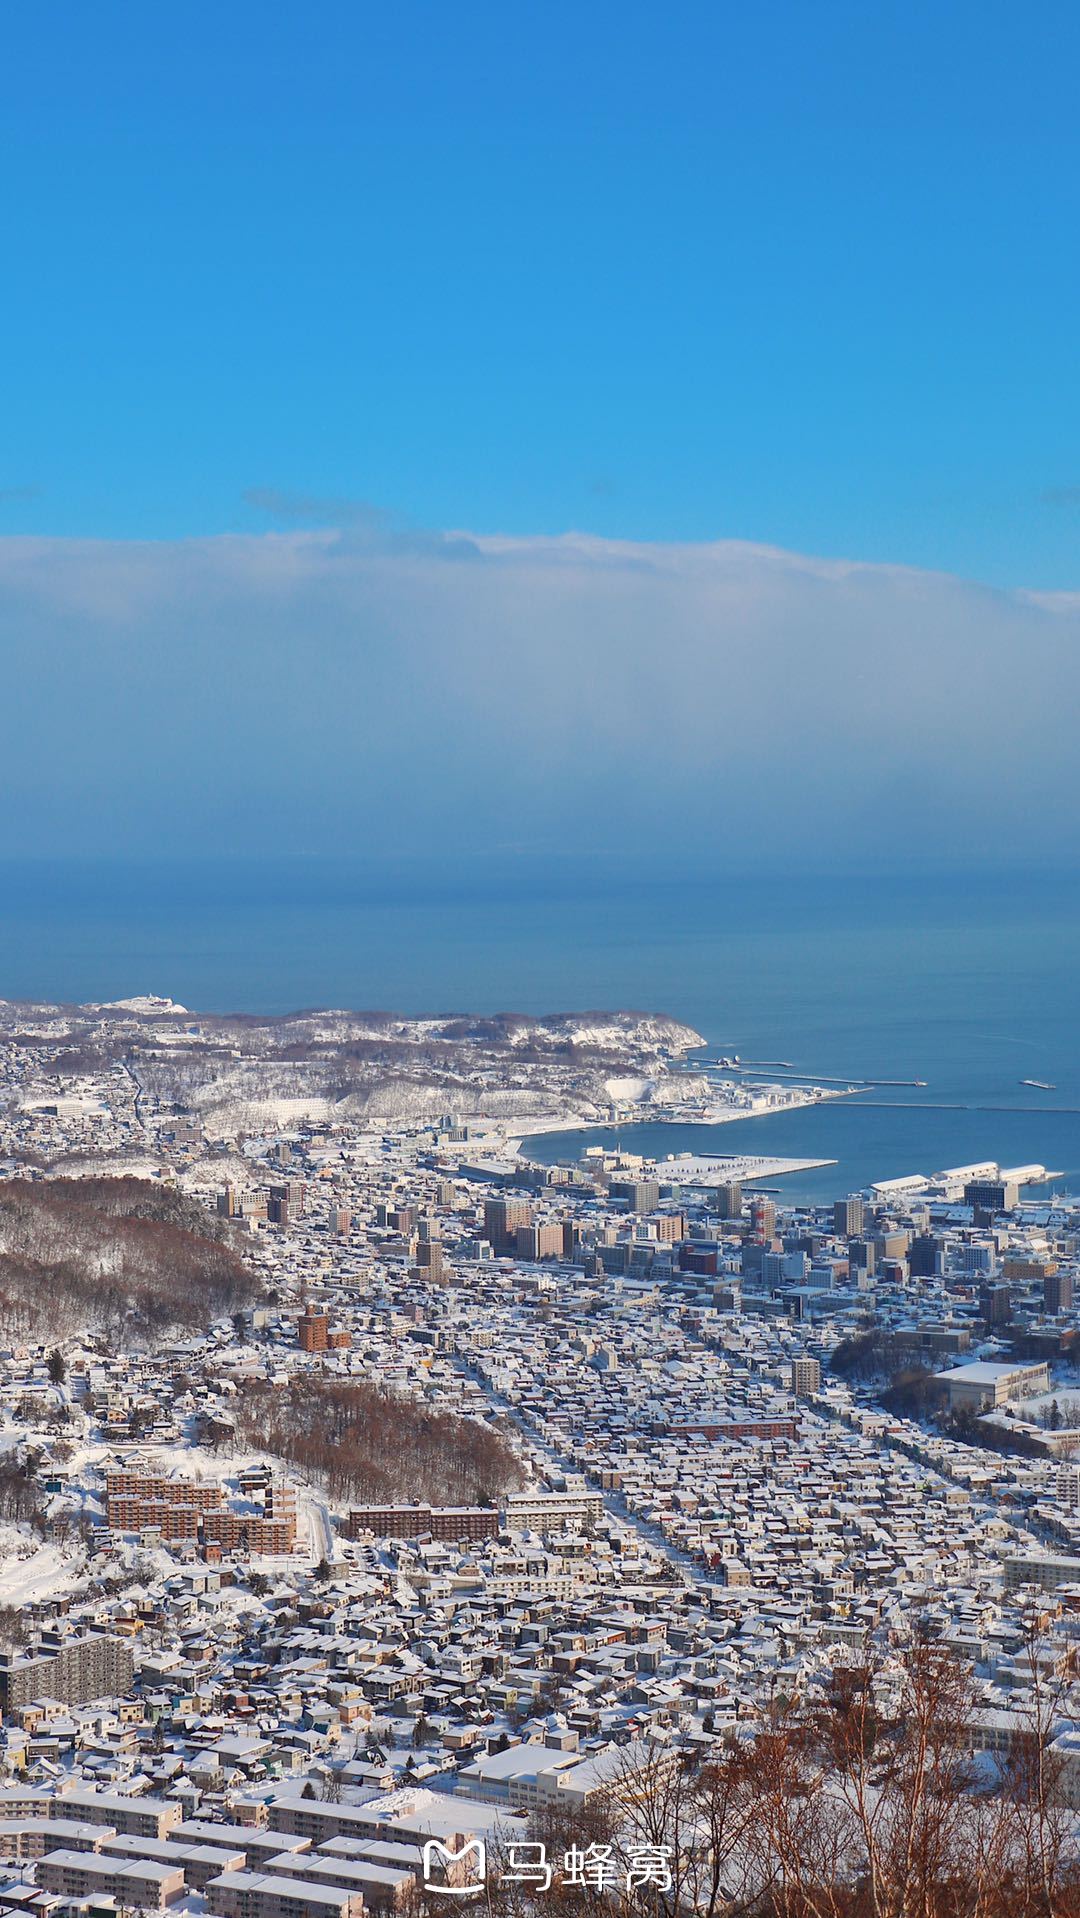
point(972, 984)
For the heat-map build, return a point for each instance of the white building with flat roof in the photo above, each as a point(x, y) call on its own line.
point(982, 1385)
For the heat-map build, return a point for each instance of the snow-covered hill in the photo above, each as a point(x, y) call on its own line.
point(243, 1072)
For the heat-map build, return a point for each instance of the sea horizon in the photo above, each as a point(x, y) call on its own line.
point(970, 987)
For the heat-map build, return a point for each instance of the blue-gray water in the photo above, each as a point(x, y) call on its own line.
point(970, 984)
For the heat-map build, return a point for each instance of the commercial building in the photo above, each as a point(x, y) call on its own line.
point(535, 1242)
point(638, 1195)
point(728, 1201)
point(429, 1263)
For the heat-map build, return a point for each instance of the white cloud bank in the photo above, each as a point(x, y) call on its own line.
point(366, 690)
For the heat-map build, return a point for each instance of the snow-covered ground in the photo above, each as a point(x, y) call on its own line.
point(1067, 1398)
point(30, 1570)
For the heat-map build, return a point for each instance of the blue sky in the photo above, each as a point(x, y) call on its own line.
point(475, 431)
point(797, 273)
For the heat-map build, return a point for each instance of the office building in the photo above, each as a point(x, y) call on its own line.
point(992, 1195)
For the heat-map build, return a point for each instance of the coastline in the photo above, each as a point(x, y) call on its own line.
point(707, 1113)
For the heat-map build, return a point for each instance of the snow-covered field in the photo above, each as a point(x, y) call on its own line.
point(29, 1570)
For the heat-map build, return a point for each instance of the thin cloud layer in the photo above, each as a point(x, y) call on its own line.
point(371, 689)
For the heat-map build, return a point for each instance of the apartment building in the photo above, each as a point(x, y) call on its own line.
point(32, 1838)
point(552, 1511)
point(382, 1887)
point(444, 1522)
point(313, 1330)
point(199, 1863)
point(124, 1482)
point(258, 1843)
point(131, 1513)
point(779, 1427)
point(137, 1817)
point(250, 1894)
point(247, 1532)
point(805, 1378)
point(73, 1670)
point(132, 1882)
point(1041, 1569)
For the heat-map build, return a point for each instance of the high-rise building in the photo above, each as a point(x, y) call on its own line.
point(848, 1217)
point(805, 1378)
point(892, 1245)
point(291, 1192)
point(638, 1195)
point(762, 1218)
point(74, 1670)
point(1058, 1292)
point(312, 1330)
point(429, 1262)
point(728, 1201)
point(923, 1256)
point(501, 1220)
point(699, 1255)
point(992, 1195)
point(995, 1304)
point(398, 1218)
point(545, 1241)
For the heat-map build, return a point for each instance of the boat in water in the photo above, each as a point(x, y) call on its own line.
point(1041, 1085)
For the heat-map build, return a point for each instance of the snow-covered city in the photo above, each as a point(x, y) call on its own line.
point(365, 1484)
